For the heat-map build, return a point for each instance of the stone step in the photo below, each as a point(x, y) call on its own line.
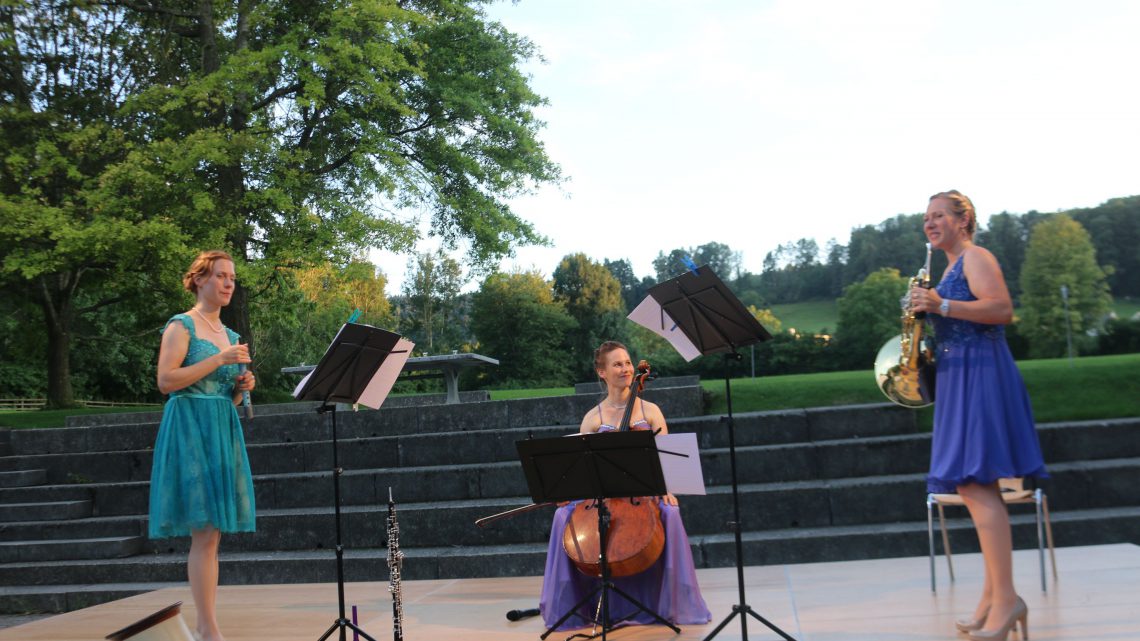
point(17, 552)
point(773, 426)
point(795, 545)
point(875, 456)
point(23, 478)
point(765, 506)
point(53, 511)
point(800, 432)
point(45, 493)
point(20, 599)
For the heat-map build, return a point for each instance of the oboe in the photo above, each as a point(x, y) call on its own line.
point(395, 561)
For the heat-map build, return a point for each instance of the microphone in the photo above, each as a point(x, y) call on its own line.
point(515, 615)
point(245, 395)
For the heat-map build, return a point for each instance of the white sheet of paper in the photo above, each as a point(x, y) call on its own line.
point(682, 475)
point(385, 377)
point(648, 314)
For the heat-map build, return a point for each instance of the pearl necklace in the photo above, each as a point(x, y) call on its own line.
point(208, 323)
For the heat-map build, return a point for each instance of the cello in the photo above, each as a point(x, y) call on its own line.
point(636, 536)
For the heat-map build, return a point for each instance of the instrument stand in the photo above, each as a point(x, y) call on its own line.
point(342, 622)
point(599, 466)
point(742, 608)
point(711, 319)
point(362, 361)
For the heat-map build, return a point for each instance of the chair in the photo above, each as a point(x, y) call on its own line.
point(1012, 491)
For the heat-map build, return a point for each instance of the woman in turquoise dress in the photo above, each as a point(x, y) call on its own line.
point(200, 483)
point(983, 423)
point(669, 586)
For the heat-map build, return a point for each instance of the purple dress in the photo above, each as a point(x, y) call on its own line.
point(983, 423)
point(669, 587)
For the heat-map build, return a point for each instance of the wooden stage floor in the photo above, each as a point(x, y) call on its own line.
point(1096, 597)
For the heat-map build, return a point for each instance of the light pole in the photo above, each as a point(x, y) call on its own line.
point(1068, 323)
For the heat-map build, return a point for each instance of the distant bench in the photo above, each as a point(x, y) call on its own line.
point(449, 366)
point(595, 387)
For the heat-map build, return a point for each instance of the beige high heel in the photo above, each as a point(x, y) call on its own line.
point(1020, 615)
point(969, 625)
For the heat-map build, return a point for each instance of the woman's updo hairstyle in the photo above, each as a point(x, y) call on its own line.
point(962, 207)
point(603, 349)
point(202, 267)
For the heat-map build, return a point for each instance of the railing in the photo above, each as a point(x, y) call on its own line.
point(22, 404)
point(29, 404)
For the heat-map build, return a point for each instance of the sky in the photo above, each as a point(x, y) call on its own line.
point(758, 123)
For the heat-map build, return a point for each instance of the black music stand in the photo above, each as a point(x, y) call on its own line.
point(360, 361)
point(595, 466)
point(711, 319)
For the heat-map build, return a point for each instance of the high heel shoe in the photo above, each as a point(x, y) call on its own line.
point(1019, 615)
point(969, 625)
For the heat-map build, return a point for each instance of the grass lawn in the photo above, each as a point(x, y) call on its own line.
point(56, 418)
point(1126, 307)
point(1091, 387)
point(810, 317)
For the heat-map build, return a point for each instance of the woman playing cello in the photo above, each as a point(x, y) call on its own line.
point(669, 585)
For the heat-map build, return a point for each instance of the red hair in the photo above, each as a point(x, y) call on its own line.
point(202, 266)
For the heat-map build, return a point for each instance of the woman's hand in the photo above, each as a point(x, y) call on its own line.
point(924, 300)
point(235, 354)
point(669, 499)
point(245, 382)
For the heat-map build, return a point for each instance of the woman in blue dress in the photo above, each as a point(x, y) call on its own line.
point(200, 481)
point(669, 587)
point(983, 423)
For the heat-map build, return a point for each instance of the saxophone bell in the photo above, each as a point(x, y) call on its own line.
point(904, 366)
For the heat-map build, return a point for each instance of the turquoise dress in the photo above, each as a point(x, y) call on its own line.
point(200, 475)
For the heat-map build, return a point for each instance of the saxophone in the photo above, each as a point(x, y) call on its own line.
point(904, 367)
point(395, 562)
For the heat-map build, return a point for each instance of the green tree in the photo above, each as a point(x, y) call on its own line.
point(430, 294)
point(78, 234)
point(633, 290)
point(1114, 227)
point(288, 133)
point(719, 257)
point(1060, 254)
point(897, 242)
point(592, 296)
point(305, 125)
point(869, 313)
point(517, 321)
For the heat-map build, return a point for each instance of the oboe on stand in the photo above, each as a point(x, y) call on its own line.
point(395, 561)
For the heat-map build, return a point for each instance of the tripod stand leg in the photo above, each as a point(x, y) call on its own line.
point(343, 625)
point(741, 608)
point(569, 613)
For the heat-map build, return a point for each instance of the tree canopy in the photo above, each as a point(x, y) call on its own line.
point(1060, 255)
point(289, 133)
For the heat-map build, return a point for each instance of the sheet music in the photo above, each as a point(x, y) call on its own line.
point(682, 473)
point(381, 383)
point(649, 314)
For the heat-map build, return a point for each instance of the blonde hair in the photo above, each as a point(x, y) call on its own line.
point(202, 266)
point(962, 207)
point(603, 349)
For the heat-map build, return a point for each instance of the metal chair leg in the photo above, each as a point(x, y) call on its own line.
point(946, 541)
point(1040, 538)
point(930, 537)
point(1049, 533)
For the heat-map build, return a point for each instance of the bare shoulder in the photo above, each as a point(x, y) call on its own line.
point(590, 423)
point(980, 258)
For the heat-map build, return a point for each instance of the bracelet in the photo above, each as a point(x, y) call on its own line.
point(944, 308)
